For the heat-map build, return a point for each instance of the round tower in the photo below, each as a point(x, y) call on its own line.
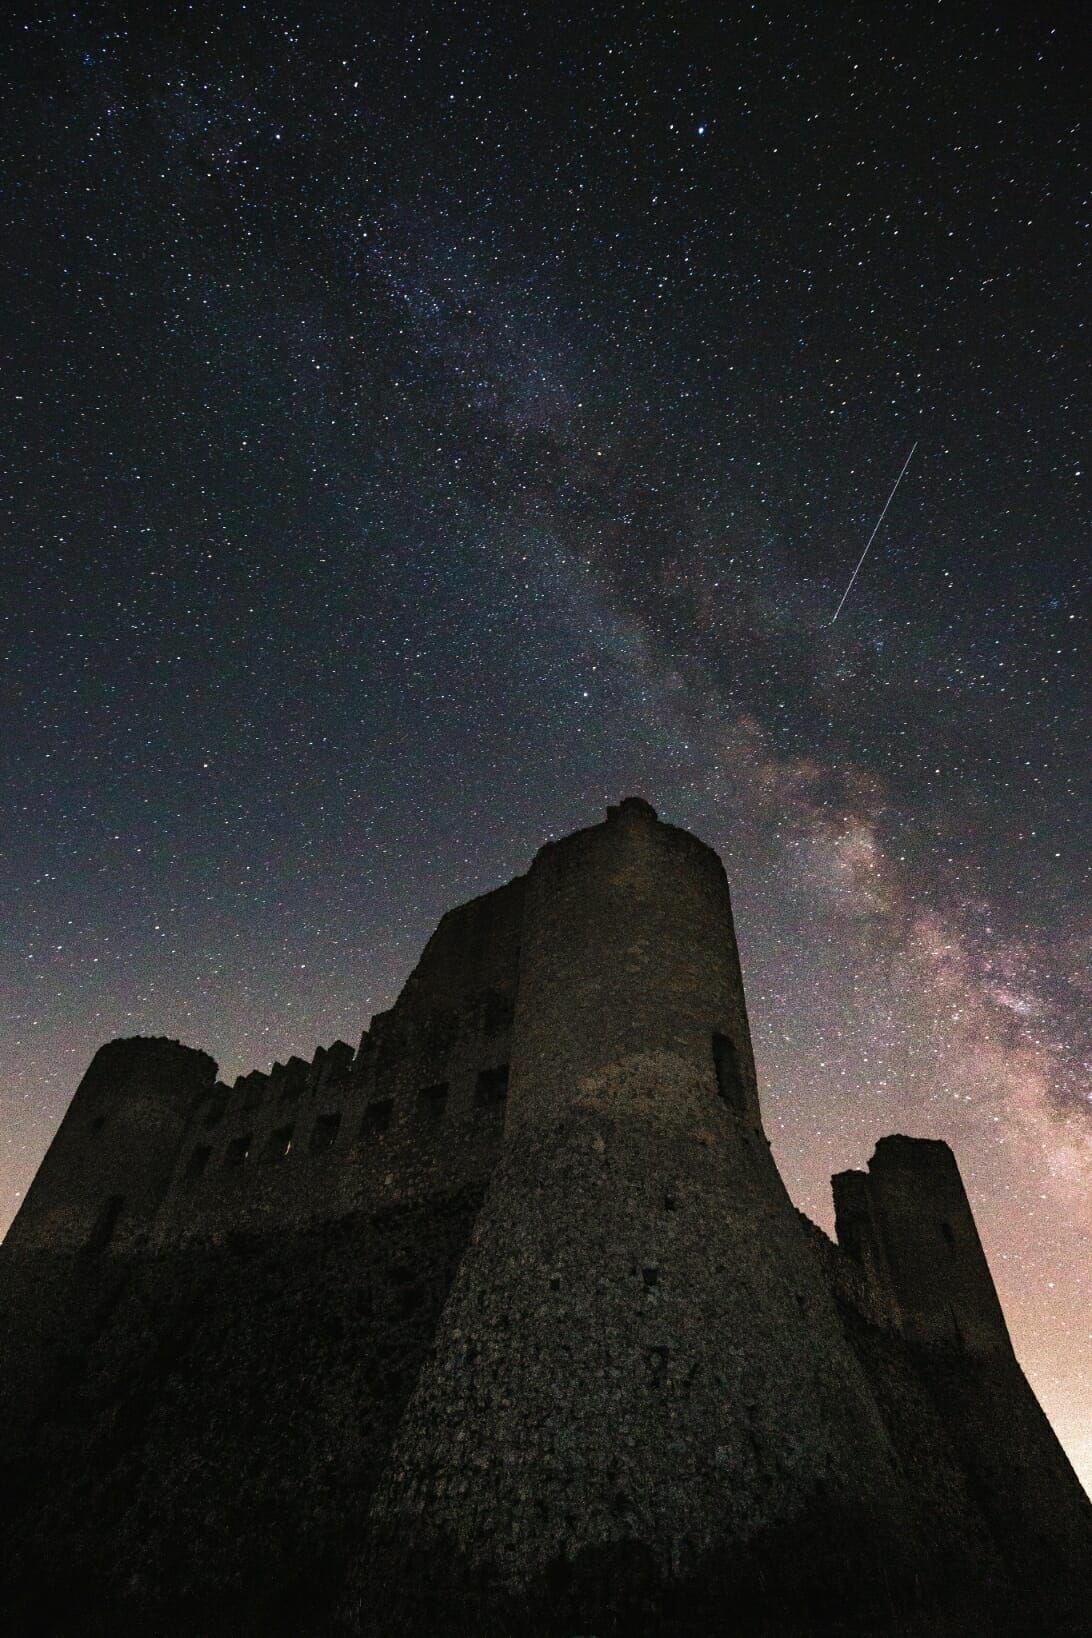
point(639, 1372)
point(111, 1160)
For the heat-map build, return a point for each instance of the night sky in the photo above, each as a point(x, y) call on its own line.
point(425, 425)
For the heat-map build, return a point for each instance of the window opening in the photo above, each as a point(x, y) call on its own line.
point(105, 1223)
point(199, 1160)
point(324, 1132)
point(238, 1150)
point(377, 1116)
point(214, 1114)
point(278, 1145)
point(729, 1073)
point(498, 1013)
point(492, 1085)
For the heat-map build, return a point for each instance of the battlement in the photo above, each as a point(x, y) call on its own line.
point(417, 1110)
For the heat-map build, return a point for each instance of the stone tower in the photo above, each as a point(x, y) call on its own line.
point(908, 1222)
point(106, 1171)
point(639, 1364)
point(97, 1191)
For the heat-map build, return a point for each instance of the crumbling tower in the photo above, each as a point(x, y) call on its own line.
point(908, 1223)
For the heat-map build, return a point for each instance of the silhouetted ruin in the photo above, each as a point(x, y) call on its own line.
point(504, 1323)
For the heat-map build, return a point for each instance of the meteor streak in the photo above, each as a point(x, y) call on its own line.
point(875, 531)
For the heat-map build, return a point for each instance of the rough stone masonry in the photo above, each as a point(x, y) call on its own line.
point(504, 1323)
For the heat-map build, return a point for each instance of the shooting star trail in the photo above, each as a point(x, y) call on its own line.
point(875, 531)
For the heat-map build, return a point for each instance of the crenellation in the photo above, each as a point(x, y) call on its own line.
point(349, 1130)
point(340, 1056)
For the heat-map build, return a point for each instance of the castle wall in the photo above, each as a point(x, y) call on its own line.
point(416, 1111)
point(225, 1397)
point(206, 1463)
point(948, 1512)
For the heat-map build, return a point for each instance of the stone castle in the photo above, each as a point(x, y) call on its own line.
point(504, 1323)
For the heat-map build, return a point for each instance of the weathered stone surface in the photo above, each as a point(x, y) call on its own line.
point(504, 1323)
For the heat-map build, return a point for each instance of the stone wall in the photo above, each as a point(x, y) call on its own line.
point(205, 1463)
point(197, 1395)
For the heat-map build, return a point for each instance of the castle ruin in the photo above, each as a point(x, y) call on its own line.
point(504, 1323)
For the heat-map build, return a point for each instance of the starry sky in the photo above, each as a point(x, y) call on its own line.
point(425, 424)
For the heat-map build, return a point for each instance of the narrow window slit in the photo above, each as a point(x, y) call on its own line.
point(729, 1073)
point(105, 1224)
point(198, 1161)
point(238, 1150)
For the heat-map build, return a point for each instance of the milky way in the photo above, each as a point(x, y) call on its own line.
point(427, 431)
